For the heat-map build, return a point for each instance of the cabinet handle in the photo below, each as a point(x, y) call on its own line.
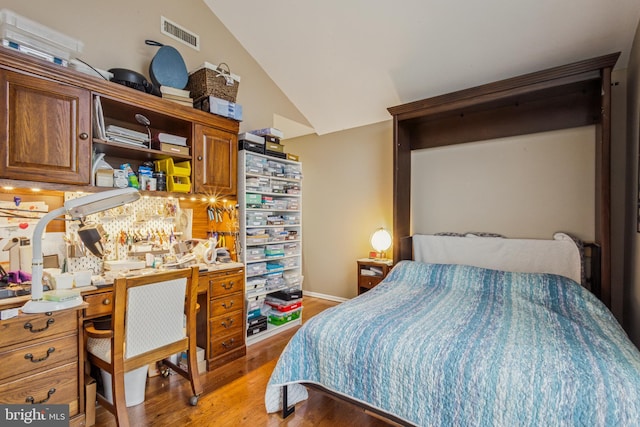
point(106, 301)
point(31, 400)
point(227, 287)
point(200, 158)
point(225, 325)
point(84, 135)
point(228, 344)
point(29, 356)
point(224, 304)
point(29, 326)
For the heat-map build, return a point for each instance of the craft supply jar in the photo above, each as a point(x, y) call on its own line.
point(161, 180)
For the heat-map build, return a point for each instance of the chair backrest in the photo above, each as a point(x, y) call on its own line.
point(151, 309)
point(155, 316)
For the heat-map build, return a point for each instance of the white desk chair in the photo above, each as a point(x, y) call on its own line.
point(147, 325)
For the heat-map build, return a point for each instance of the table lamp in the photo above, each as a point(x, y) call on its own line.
point(77, 209)
point(381, 241)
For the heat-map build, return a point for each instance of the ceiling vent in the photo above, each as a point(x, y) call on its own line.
point(179, 33)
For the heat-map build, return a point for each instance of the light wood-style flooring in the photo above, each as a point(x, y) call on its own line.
point(234, 394)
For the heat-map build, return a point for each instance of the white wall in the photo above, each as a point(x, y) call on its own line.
point(347, 195)
point(526, 186)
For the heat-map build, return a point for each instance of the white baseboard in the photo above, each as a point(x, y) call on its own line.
point(323, 296)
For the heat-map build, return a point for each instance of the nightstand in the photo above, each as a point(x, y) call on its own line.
point(371, 272)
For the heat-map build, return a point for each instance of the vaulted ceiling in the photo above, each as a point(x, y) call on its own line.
point(343, 62)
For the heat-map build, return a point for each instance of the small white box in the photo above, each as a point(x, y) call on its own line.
point(104, 178)
point(62, 281)
point(82, 278)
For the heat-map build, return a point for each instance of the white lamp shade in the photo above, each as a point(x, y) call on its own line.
point(381, 240)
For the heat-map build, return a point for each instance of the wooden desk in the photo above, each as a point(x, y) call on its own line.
point(220, 321)
point(219, 325)
point(44, 353)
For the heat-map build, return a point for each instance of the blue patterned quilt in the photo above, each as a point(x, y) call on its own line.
point(451, 345)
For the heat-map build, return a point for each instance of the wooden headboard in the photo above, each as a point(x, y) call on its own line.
point(572, 95)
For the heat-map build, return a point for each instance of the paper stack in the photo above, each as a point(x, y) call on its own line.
point(179, 96)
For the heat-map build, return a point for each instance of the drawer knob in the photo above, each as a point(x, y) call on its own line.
point(224, 304)
point(106, 301)
point(29, 326)
point(228, 344)
point(31, 400)
point(84, 136)
point(227, 286)
point(29, 356)
point(227, 325)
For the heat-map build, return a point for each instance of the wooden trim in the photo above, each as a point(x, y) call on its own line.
point(401, 186)
point(603, 188)
point(551, 77)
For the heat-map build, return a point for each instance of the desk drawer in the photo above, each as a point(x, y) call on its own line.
point(99, 304)
point(40, 356)
point(226, 304)
point(225, 284)
point(226, 324)
point(28, 327)
point(227, 343)
point(55, 386)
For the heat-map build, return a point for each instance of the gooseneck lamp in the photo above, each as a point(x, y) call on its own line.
point(381, 241)
point(77, 209)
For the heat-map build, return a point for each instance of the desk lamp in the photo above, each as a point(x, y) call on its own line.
point(381, 241)
point(77, 209)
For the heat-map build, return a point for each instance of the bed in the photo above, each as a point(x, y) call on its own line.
point(451, 343)
point(488, 345)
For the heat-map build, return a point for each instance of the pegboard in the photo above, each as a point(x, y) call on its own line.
point(153, 221)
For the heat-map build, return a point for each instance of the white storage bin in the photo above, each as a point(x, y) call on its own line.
point(30, 34)
point(134, 385)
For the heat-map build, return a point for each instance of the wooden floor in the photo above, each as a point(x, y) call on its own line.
point(234, 395)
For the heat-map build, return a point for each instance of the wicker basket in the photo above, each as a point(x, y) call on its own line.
point(213, 82)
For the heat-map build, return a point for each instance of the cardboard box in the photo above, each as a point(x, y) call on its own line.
point(271, 138)
point(89, 401)
point(250, 146)
point(246, 136)
point(219, 106)
point(170, 148)
point(272, 146)
point(293, 157)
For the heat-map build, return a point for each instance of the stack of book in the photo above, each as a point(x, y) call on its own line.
point(272, 146)
point(179, 96)
point(127, 136)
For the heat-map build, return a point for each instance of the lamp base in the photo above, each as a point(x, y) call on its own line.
point(43, 306)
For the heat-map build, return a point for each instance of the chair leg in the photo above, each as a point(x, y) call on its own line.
point(119, 401)
point(194, 375)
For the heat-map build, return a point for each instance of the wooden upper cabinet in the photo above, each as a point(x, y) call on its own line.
point(45, 130)
point(215, 155)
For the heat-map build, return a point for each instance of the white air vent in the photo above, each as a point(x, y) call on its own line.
point(179, 33)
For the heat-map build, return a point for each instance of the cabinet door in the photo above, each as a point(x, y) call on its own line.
point(215, 154)
point(44, 130)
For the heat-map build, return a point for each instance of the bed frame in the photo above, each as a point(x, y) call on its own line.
point(573, 95)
